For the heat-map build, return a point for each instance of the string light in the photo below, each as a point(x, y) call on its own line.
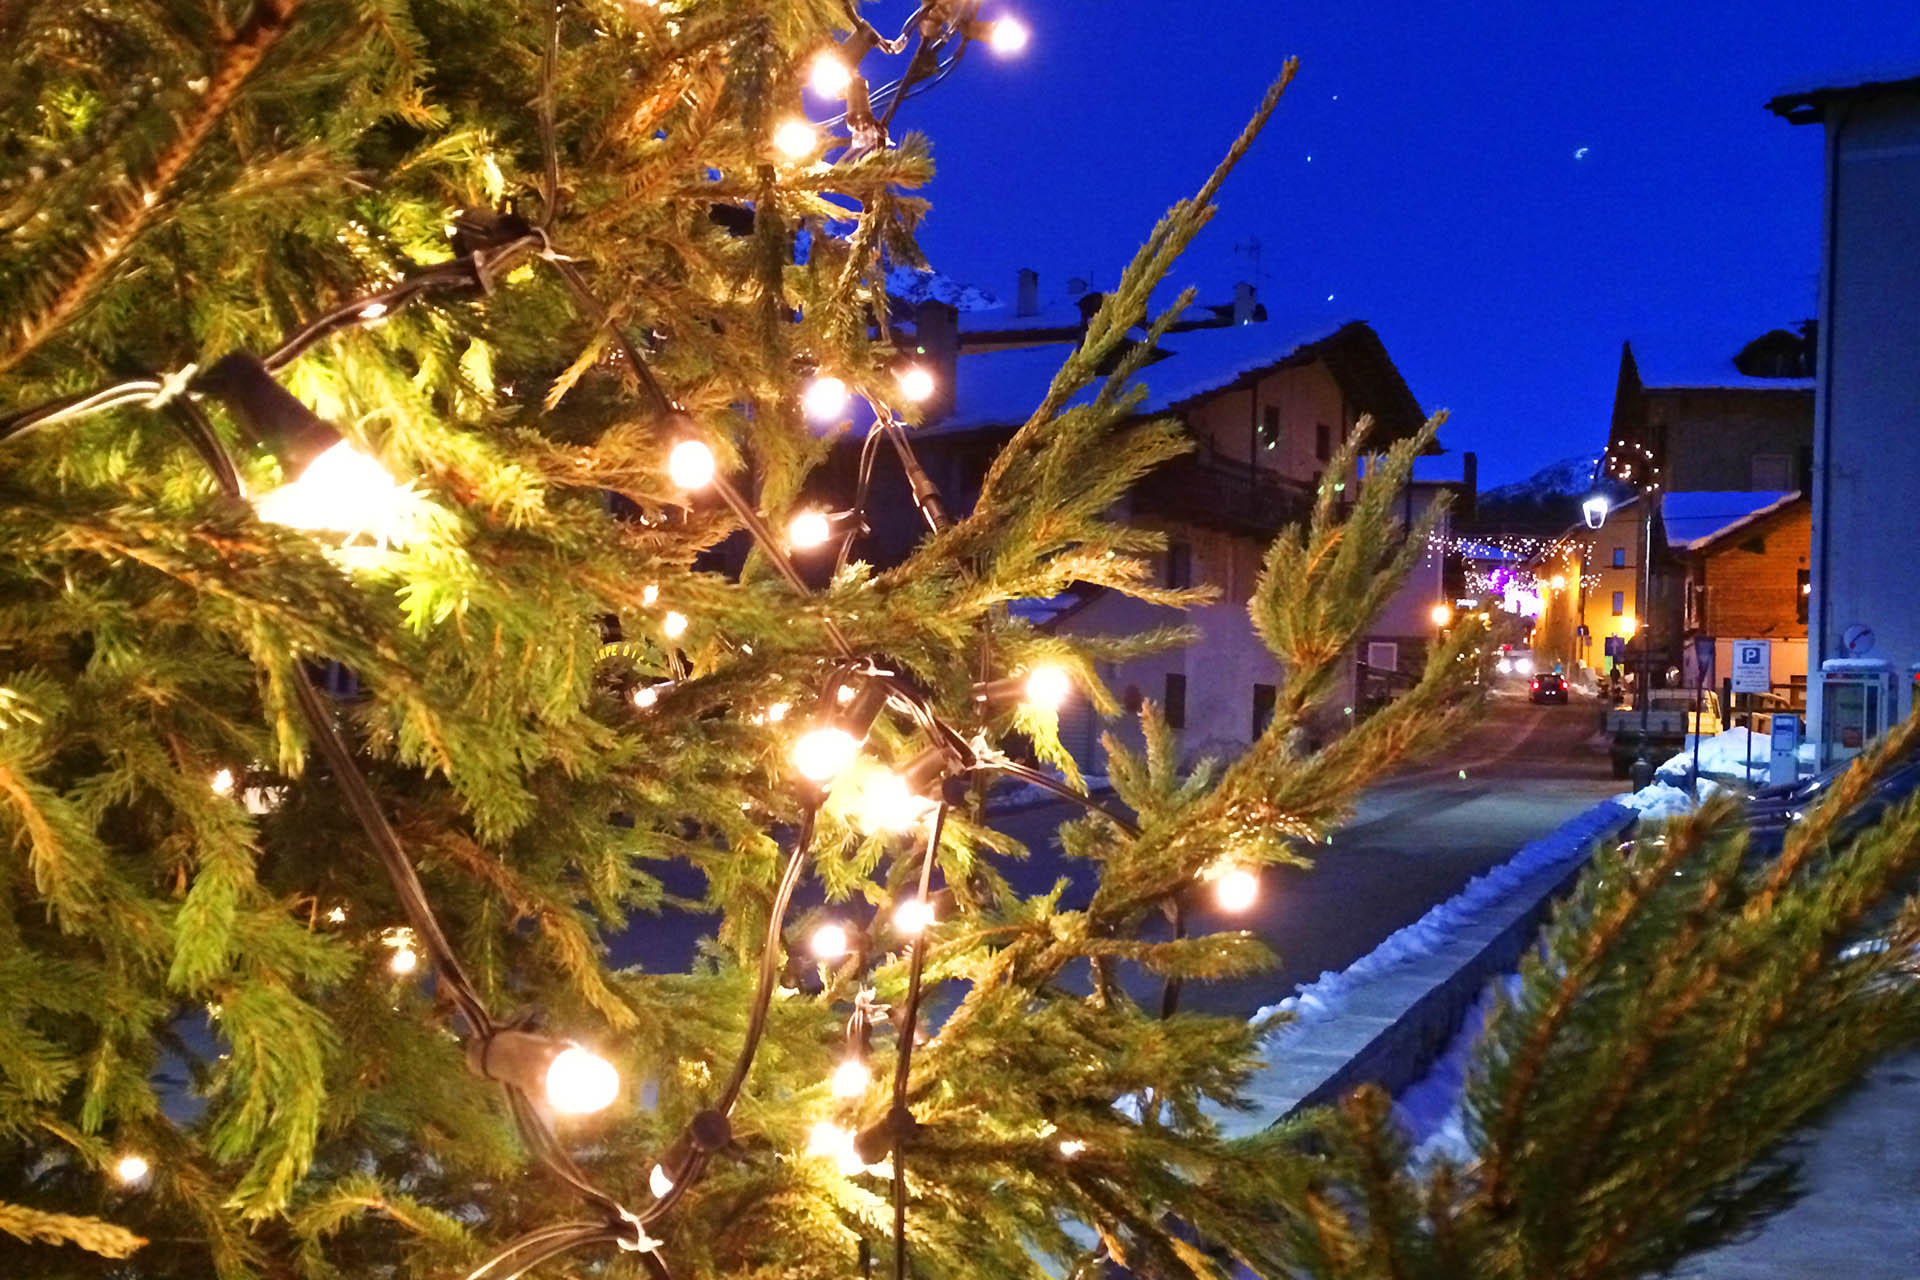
point(913, 916)
point(820, 754)
point(646, 696)
point(808, 530)
point(1558, 582)
point(580, 1083)
point(795, 139)
point(404, 959)
point(829, 941)
point(674, 625)
point(778, 712)
point(660, 1182)
point(916, 383)
point(851, 1078)
point(829, 75)
point(1007, 36)
point(690, 465)
point(649, 593)
point(825, 398)
point(886, 803)
point(1048, 687)
point(222, 783)
point(1235, 888)
point(344, 490)
point(131, 1169)
point(1071, 1147)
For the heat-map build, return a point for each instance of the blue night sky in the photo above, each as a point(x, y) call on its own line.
point(1504, 190)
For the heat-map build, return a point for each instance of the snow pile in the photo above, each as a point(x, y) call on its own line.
point(1432, 1110)
point(1327, 997)
point(1736, 754)
point(1657, 800)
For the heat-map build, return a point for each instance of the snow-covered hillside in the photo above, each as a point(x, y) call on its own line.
point(1567, 478)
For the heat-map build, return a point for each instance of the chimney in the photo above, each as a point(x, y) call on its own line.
point(1470, 486)
point(1027, 295)
point(1243, 303)
point(1089, 304)
point(936, 327)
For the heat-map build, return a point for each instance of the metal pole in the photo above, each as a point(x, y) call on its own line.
point(1643, 767)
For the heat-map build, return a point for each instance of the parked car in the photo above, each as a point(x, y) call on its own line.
point(1548, 686)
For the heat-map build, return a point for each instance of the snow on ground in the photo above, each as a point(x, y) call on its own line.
point(1735, 754)
point(1658, 800)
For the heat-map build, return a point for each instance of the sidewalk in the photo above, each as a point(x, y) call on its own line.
point(1859, 1216)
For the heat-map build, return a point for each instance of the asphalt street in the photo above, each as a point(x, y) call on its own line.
point(1414, 841)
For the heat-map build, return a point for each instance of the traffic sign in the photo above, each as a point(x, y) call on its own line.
point(1752, 666)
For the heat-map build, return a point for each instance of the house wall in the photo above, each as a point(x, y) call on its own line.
point(1866, 488)
point(1712, 436)
point(1753, 583)
point(1306, 395)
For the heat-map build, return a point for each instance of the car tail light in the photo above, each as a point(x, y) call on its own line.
point(1536, 684)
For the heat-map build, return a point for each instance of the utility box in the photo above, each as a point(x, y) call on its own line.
point(1783, 758)
point(1857, 705)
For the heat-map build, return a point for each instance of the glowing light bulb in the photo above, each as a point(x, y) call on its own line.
point(222, 783)
point(1558, 582)
point(341, 491)
point(913, 916)
point(690, 464)
point(674, 625)
point(130, 1169)
point(1007, 36)
point(829, 75)
point(916, 383)
point(795, 139)
point(851, 1078)
point(1071, 1147)
point(1236, 889)
point(579, 1082)
point(1048, 687)
point(1442, 614)
point(404, 960)
point(885, 803)
point(778, 712)
point(829, 942)
point(808, 530)
point(819, 754)
point(645, 696)
point(824, 398)
point(828, 1139)
point(649, 593)
point(337, 916)
point(660, 1182)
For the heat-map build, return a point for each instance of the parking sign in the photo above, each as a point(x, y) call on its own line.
point(1752, 666)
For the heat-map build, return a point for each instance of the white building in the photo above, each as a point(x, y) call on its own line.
point(1866, 466)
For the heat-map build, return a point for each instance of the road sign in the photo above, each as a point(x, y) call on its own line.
point(1752, 666)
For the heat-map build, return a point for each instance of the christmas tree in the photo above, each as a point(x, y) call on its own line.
point(405, 410)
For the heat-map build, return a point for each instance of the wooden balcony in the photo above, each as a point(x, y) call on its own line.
point(1225, 495)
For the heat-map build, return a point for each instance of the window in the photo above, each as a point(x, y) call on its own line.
point(1176, 700)
point(1322, 441)
point(1804, 595)
point(1270, 427)
point(1619, 557)
point(1179, 564)
point(1772, 471)
point(1619, 604)
point(1383, 655)
point(1264, 696)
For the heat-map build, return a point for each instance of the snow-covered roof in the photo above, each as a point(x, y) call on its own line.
point(999, 388)
point(1208, 360)
point(1052, 313)
point(1700, 355)
point(1697, 517)
point(1716, 376)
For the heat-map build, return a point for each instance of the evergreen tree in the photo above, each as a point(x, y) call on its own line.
point(319, 813)
point(264, 944)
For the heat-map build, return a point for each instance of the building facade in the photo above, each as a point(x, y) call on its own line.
point(1865, 520)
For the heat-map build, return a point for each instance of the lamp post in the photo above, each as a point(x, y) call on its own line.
point(1642, 770)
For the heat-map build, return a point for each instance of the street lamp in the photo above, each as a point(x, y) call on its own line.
point(1442, 614)
point(1595, 510)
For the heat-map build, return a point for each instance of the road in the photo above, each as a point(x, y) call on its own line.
point(1414, 841)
